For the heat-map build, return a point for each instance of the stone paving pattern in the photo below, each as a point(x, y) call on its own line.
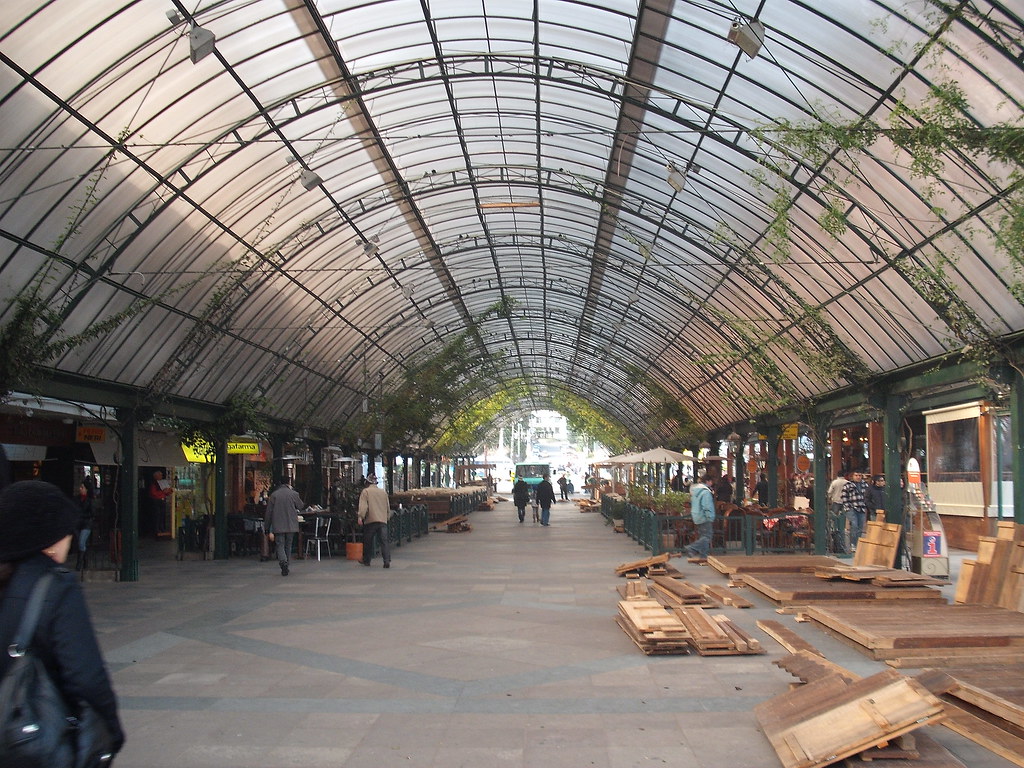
point(493, 648)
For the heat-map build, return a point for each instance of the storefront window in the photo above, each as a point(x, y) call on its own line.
point(953, 453)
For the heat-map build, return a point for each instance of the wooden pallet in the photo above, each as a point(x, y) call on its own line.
point(831, 718)
point(677, 592)
point(641, 566)
point(925, 632)
point(735, 564)
point(726, 596)
point(804, 588)
point(996, 576)
point(457, 524)
point(984, 704)
point(716, 635)
point(879, 575)
point(878, 545)
point(915, 750)
point(652, 628)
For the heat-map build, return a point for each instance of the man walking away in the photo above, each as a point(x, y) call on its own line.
point(374, 510)
point(282, 521)
point(545, 498)
point(702, 512)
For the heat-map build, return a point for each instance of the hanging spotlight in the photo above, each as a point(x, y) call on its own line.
point(174, 17)
point(675, 179)
point(309, 180)
point(200, 43)
point(371, 246)
point(747, 35)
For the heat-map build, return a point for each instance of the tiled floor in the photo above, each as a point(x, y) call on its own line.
point(491, 648)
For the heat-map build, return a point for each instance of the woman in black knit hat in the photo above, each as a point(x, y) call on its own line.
point(36, 526)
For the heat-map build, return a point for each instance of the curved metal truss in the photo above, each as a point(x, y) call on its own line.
point(334, 188)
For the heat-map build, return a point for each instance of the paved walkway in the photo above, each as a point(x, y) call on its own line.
point(491, 648)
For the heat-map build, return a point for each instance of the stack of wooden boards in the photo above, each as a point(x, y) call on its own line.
point(838, 715)
point(801, 579)
point(996, 576)
point(984, 704)
point(666, 615)
point(980, 629)
point(878, 545)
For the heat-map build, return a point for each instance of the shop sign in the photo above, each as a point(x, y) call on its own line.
point(932, 541)
point(199, 453)
point(91, 435)
point(248, 447)
point(790, 431)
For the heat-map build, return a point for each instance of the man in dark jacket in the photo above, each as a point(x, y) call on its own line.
point(876, 496)
point(282, 520)
point(521, 497)
point(545, 498)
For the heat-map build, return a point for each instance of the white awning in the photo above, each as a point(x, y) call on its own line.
point(159, 449)
point(16, 452)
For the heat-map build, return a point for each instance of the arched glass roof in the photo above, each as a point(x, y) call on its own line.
point(340, 187)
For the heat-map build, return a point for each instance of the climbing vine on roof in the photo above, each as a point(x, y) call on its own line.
point(434, 392)
point(588, 419)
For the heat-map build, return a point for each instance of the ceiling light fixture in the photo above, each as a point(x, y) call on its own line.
point(201, 43)
point(747, 35)
point(309, 180)
point(676, 179)
point(174, 17)
point(512, 204)
point(371, 246)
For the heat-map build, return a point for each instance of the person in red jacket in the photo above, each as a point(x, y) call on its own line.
point(159, 491)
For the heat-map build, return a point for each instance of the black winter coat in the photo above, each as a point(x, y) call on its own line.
point(64, 639)
point(545, 493)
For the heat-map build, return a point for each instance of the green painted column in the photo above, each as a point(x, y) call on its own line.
point(772, 464)
point(1017, 441)
point(820, 424)
point(220, 502)
point(276, 465)
point(129, 474)
point(892, 427)
point(315, 489)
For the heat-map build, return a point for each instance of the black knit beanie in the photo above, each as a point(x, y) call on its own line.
point(33, 515)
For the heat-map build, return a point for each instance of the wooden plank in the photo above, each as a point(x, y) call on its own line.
point(1013, 582)
point(641, 564)
point(931, 754)
point(986, 734)
point(726, 596)
point(807, 666)
point(963, 582)
point(791, 588)
point(828, 719)
point(786, 637)
point(733, 564)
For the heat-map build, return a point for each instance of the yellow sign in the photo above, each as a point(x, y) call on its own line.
point(197, 454)
point(790, 431)
point(243, 446)
point(91, 435)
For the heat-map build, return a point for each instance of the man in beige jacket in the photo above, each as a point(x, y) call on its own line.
point(374, 510)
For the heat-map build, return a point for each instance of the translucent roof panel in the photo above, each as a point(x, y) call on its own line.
point(284, 196)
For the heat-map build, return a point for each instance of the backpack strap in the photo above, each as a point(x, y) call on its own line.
point(23, 637)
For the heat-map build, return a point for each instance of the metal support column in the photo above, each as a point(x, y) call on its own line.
point(820, 425)
point(892, 427)
point(1017, 441)
point(315, 488)
point(771, 464)
point(128, 530)
point(276, 464)
point(220, 502)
